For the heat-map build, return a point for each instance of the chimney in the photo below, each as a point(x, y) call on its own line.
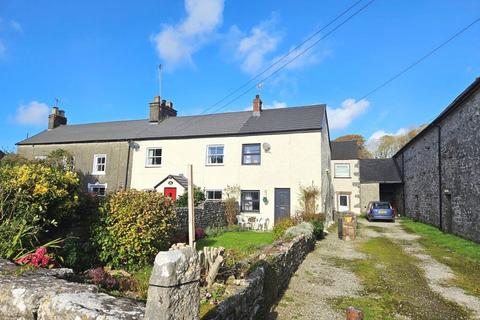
point(160, 110)
point(257, 106)
point(56, 118)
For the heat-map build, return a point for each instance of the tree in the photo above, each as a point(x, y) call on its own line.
point(363, 153)
point(387, 145)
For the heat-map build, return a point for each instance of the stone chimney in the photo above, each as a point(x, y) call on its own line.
point(160, 110)
point(56, 118)
point(257, 106)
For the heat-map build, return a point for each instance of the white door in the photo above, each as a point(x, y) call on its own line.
point(343, 202)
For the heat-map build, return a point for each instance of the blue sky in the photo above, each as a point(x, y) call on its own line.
point(100, 59)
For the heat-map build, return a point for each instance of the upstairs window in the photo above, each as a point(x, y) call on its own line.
point(250, 200)
point(251, 154)
point(99, 164)
point(213, 195)
point(342, 170)
point(97, 189)
point(215, 154)
point(154, 157)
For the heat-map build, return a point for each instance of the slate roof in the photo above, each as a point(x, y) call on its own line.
point(182, 180)
point(306, 118)
point(379, 170)
point(344, 150)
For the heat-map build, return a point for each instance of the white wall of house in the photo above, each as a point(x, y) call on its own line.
point(293, 159)
point(346, 186)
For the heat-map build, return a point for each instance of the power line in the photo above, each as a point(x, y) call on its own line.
point(181, 127)
point(296, 56)
point(283, 57)
point(424, 57)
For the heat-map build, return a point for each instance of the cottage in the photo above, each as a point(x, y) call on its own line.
point(268, 154)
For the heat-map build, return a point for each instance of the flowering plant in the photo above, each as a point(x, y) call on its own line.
point(199, 233)
point(38, 259)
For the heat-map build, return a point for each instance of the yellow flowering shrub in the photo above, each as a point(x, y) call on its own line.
point(34, 197)
point(135, 226)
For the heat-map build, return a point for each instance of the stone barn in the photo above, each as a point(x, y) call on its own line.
point(440, 169)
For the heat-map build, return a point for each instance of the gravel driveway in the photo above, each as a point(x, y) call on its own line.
point(320, 279)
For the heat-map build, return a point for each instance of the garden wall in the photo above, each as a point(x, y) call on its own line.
point(211, 214)
point(263, 287)
point(43, 294)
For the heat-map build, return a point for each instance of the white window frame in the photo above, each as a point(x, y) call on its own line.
point(95, 164)
point(207, 157)
point(97, 185)
point(213, 190)
point(341, 176)
point(147, 165)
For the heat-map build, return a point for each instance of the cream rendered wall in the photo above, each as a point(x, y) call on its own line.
point(294, 159)
point(348, 185)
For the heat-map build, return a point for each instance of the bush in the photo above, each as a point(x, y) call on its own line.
point(317, 228)
point(134, 227)
point(317, 220)
point(198, 198)
point(34, 199)
point(214, 231)
point(281, 226)
point(199, 233)
point(231, 204)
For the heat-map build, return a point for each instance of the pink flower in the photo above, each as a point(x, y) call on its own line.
point(41, 251)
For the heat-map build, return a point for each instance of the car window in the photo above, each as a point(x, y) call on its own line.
point(381, 205)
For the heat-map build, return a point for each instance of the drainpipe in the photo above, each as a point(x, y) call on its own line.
point(130, 143)
point(440, 204)
point(403, 185)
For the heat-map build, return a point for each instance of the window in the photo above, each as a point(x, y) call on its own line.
point(251, 154)
point(342, 170)
point(99, 163)
point(213, 194)
point(250, 201)
point(215, 154)
point(98, 189)
point(154, 157)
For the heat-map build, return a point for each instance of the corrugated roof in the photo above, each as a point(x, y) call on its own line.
point(379, 170)
point(291, 119)
point(344, 150)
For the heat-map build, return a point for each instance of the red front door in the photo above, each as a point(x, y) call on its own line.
point(170, 192)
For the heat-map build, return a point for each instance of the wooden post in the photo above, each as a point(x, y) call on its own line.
point(191, 207)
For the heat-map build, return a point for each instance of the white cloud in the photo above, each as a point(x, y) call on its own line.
point(276, 105)
point(253, 48)
point(33, 113)
point(341, 117)
point(374, 140)
point(176, 44)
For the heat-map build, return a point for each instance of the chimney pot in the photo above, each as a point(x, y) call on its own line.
point(160, 110)
point(56, 118)
point(257, 105)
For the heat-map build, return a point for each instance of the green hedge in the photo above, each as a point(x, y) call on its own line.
point(134, 227)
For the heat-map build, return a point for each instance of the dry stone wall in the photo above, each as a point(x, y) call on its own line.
point(45, 295)
point(211, 214)
point(262, 288)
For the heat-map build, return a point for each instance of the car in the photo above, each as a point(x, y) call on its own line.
point(380, 210)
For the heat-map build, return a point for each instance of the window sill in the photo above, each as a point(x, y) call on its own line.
point(153, 166)
point(249, 212)
point(342, 177)
point(98, 173)
point(251, 164)
point(214, 164)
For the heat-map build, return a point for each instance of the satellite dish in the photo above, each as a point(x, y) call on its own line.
point(266, 146)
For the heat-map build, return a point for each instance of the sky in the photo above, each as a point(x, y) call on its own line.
point(100, 59)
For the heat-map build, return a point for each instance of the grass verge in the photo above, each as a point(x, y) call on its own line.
point(462, 256)
point(245, 242)
point(395, 285)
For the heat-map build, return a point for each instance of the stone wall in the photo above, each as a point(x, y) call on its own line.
point(444, 186)
point(45, 295)
point(368, 192)
point(212, 213)
point(262, 288)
